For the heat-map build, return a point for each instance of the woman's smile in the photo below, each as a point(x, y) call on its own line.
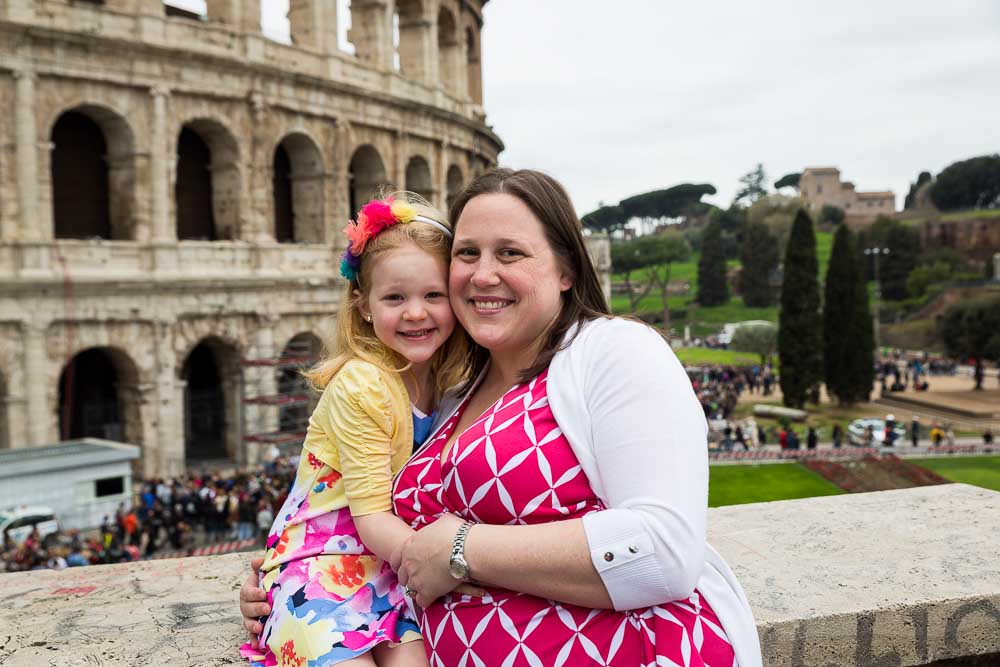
point(490, 305)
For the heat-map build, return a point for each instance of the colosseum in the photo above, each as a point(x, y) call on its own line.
point(172, 190)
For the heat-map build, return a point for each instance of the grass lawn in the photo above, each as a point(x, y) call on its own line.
point(738, 484)
point(824, 246)
point(703, 356)
point(981, 471)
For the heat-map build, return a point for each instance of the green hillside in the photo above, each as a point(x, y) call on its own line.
point(704, 321)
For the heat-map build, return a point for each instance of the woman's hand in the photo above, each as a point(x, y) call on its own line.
point(422, 561)
point(253, 602)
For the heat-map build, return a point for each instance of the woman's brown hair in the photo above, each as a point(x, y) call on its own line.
point(547, 199)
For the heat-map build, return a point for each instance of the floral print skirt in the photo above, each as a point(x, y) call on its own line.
point(330, 608)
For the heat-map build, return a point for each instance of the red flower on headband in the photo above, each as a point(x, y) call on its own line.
point(379, 215)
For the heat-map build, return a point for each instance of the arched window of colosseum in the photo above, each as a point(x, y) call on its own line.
point(418, 178)
point(193, 188)
point(93, 175)
point(211, 385)
point(474, 67)
point(207, 185)
point(301, 352)
point(98, 397)
point(366, 176)
point(298, 191)
point(79, 179)
point(448, 51)
point(454, 184)
point(281, 186)
point(413, 39)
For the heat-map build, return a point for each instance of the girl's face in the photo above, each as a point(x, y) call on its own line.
point(506, 283)
point(408, 302)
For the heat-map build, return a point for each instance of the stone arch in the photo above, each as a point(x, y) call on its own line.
point(454, 183)
point(418, 177)
point(448, 50)
point(473, 64)
point(99, 396)
point(365, 176)
point(210, 375)
point(298, 184)
point(302, 351)
point(207, 182)
point(93, 174)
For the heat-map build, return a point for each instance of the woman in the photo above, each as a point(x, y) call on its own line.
point(571, 479)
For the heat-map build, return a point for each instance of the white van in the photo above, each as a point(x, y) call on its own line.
point(17, 524)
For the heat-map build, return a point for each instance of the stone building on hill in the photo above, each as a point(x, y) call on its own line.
point(172, 192)
point(821, 186)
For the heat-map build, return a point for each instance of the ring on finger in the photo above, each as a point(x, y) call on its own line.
point(410, 592)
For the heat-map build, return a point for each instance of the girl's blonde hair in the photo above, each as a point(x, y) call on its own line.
point(355, 338)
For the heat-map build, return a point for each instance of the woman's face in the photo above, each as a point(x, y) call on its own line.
point(505, 282)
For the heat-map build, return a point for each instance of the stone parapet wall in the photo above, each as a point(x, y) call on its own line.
point(900, 578)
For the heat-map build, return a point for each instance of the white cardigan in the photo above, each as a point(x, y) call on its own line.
point(626, 406)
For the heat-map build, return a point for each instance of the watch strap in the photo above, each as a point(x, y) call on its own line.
point(458, 543)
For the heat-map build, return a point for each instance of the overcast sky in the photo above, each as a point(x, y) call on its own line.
point(616, 98)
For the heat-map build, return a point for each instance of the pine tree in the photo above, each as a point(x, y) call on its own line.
point(712, 287)
point(847, 349)
point(759, 257)
point(800, 336)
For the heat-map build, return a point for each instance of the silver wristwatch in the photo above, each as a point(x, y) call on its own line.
point(457, 565)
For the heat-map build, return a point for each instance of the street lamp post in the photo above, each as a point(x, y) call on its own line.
point(875, 252)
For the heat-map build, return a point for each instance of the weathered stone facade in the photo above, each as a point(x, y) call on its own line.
point(976, 237)
point(224, 167)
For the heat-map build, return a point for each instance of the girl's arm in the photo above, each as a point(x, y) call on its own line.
point(382, 532)
point(362, 417)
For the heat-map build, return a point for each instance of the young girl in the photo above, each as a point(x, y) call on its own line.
point(333, 596)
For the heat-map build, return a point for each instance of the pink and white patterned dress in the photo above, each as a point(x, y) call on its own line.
point(514, 466)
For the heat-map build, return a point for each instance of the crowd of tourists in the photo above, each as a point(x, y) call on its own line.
point(719, 387)
point(169, 515)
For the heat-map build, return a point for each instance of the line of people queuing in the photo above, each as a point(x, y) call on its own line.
point(169, 515)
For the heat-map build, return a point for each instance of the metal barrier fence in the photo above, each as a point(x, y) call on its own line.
point(846, 453)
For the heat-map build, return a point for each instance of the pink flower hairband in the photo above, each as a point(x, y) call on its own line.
point(374, 218)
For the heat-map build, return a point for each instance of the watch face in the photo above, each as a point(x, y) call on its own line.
point(458, 568)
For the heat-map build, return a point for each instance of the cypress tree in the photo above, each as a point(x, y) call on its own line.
point(894, 268)
point(759, 257)
point(840, 294)
point(861, 355)
point(800, 336)
point(712, 287)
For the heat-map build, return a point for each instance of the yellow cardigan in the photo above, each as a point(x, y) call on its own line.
point(363, 429)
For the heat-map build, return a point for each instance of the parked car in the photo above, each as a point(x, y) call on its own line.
point(17, 524)
point(856, 431)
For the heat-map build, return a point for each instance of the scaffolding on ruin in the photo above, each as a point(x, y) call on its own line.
point(276, 399)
